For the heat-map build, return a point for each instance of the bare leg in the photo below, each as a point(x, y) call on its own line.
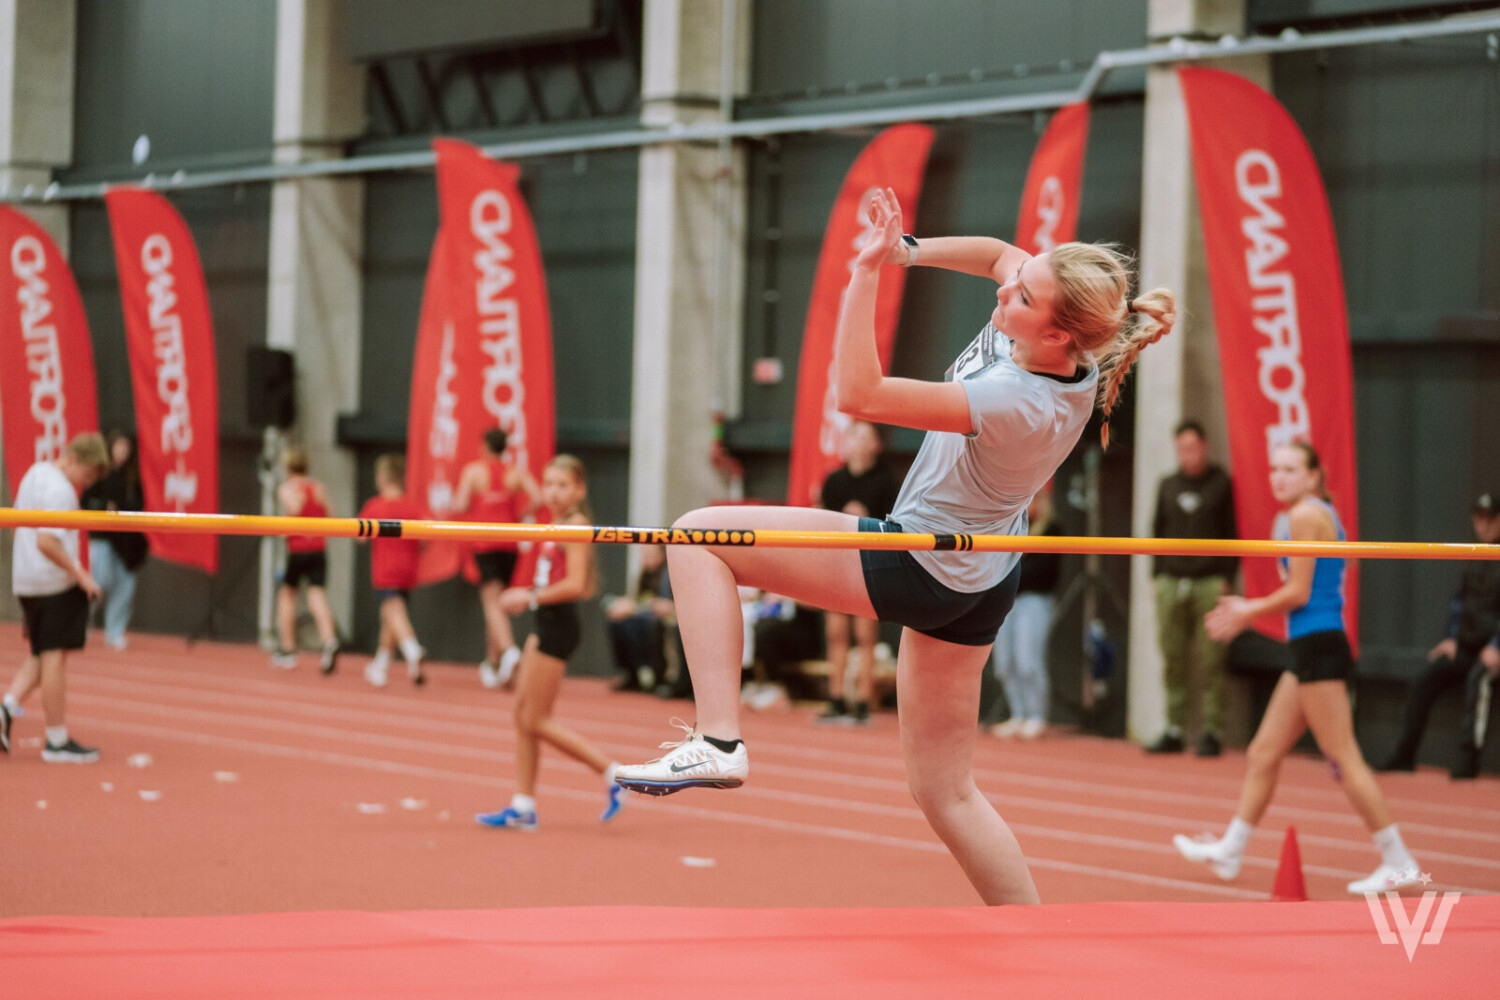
point(393, 617)
point(26, 680)
point(286, 616)
point(1326, 707)
point(704, 587)
point(866, 632)
point(836, 646)
point(54, 686)
point(1280, 729)
point(938, 702)
point(387, 641)
point(536, 693)
point(497, 630)
point(317, 603)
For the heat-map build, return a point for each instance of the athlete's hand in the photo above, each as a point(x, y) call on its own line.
point(1447, 648)
point(515, 600)
point(1490, 657)
point(883, 239)
point(89, 584)
point(1229, 618)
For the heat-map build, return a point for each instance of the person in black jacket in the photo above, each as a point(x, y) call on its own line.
point(115, 556)
point(1196, 501)
point(1469, 654)
point(866, 487)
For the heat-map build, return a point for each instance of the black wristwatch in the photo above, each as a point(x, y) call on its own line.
point(910, 243)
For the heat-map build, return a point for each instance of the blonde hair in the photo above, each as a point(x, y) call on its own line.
point(391, 466)
point(88, 449)
point(295, 458)
point(574, 467)
point(1092, 305)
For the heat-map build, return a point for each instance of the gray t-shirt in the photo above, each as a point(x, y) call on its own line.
point(981, 483)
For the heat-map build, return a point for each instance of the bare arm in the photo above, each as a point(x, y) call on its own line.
point(52, 547)
point(290, 498)
point(524, 481)
point(1234, 614)
point(981, 256)
point(467, 489)
point(863, 390)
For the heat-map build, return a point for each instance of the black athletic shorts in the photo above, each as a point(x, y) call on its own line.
point(390, 594)
point(309, 567)
point(1322, 656)
point(497, 565)
point(557, 630)
point(56, 621)
point(901, 591)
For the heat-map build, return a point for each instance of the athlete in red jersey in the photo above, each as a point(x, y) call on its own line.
point(393, 571)
point(565, 575)
point(306, 562)
point(492, 490)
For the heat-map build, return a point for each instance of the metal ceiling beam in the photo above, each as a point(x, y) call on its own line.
point(1177, 50)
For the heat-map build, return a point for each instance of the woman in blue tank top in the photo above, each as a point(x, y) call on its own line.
point(1314, 694)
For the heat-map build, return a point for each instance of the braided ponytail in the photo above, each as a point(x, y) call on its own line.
point(1155, 313)
point(1093, 281)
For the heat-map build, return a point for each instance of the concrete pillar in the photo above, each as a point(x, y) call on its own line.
point(37, 40)
point(314, 294)
point(688, 298)
point(1179, 375)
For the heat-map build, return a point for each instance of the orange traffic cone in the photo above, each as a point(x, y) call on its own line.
point(1289, 887)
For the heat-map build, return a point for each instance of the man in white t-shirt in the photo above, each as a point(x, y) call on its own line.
point(54, 590)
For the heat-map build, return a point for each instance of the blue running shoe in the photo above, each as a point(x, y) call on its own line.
point(612, 807)
point(508, 818)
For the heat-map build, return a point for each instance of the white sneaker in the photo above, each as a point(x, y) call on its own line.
point(488, 676)
point(284, 660)
point(692, 762)
point(1032, 729)
point(375, 673)
point(507, 668)
point(1386, 878)
point(1007, 729)
point(414, 668)
point(1208, 849)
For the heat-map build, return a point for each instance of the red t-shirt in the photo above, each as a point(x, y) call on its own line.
point(497, 505)
point(310, 508)
point(393, 561)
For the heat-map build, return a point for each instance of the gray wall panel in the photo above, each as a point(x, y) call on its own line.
point(197, 78)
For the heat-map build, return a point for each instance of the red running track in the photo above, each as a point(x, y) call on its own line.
point(270, 792)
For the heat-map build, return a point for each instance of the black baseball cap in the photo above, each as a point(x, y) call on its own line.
point(1485, 504)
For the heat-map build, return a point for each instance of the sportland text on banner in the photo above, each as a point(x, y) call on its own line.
point(896, 158)
point(484, 341)
point(1278, 297)
point(47, 388)
point(173, 372)
point(1054, 182)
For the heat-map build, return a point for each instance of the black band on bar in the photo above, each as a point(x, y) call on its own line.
point(945, 543)
point(390, 529)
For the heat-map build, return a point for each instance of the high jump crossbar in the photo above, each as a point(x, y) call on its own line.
point(470, 531)
point(1175, 50)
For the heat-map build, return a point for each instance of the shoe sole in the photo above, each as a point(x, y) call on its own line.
point(530, 828)
point(68, 758)
point(644, 787)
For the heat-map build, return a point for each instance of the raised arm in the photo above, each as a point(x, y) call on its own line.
point(862, 389)
point(981, 256)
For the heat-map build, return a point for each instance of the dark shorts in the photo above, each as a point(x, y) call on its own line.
point(56, 621)
point(557, 630)
point(496, 566)
point(305, 567)
point(381, 596)
point(901, 591)
point(1322, 656)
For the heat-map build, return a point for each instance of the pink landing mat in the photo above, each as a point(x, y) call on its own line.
point(1149, 950)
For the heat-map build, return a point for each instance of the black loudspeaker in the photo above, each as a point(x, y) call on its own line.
point(270, 387)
